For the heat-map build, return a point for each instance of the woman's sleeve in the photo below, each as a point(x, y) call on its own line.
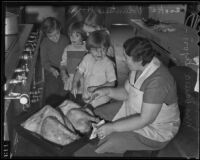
point(156, 91)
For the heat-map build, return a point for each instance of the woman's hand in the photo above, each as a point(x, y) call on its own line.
point(105, 130)
point(101, 92)
point(54, 72)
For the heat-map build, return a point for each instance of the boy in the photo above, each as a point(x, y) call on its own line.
point(96, 68)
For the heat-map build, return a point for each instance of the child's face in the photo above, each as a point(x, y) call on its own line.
point(54, 36)
point(75, 38)
point(98, 53)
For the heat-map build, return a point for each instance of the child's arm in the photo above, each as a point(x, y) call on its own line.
point(77, 77)
point(81, 70)
point(63, 65)
point(63, 62)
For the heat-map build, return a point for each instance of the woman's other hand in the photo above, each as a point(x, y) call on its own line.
point(105, 130)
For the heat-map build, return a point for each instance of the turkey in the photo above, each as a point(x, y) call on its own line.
point(61, 127)
point(56, 132)
point(35, 121)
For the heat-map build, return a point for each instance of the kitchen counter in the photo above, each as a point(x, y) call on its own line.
point(181, 44)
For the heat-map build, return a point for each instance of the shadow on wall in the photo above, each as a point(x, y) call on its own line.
point(112, 14)
point(36, 14)
point(121, 14)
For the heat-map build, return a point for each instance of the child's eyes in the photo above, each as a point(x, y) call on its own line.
point(77, 35)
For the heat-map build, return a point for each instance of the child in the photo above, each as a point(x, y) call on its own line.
point(51, 50)
point(76, 50)
point(96, 68)
point(93, 22)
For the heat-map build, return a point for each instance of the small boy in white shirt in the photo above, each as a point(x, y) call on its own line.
point(73, 53)
point(96, 68)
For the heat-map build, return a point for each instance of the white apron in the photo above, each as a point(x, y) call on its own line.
point(167, 122)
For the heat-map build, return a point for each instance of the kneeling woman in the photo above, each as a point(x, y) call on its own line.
point(149, 116)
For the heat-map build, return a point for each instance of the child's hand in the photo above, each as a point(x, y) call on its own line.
point(64, 76)
point(54, 72)
point(74, 89)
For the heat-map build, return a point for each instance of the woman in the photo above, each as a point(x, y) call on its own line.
point(149, 116)
point(51, 50)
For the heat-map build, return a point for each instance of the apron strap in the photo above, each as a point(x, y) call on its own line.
point(149, 70)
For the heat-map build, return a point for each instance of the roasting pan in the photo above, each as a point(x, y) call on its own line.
point(52, 148)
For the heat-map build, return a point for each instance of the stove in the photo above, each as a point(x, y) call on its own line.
point(10, 41)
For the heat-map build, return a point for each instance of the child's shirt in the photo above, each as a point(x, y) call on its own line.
point(71, 48)
point(51, 52)
point(97, 73)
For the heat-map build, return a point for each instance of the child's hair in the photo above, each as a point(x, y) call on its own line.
point(78, 28)
point(50, 24)
point(98, 39)
point(94, 19)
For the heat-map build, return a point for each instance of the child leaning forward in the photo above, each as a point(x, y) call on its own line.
point(96, 68)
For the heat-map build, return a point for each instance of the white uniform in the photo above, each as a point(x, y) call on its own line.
point(166, 124)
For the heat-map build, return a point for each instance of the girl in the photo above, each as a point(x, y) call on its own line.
point(73, 53)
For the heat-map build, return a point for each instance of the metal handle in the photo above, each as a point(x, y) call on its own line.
point(23, 98)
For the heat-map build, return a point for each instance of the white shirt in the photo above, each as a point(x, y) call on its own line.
point(96, 73)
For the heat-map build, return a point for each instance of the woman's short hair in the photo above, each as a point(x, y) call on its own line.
point(94, 19)
point(78, 28)
point(98, 39)
point(50, 24)
point(139, 48)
